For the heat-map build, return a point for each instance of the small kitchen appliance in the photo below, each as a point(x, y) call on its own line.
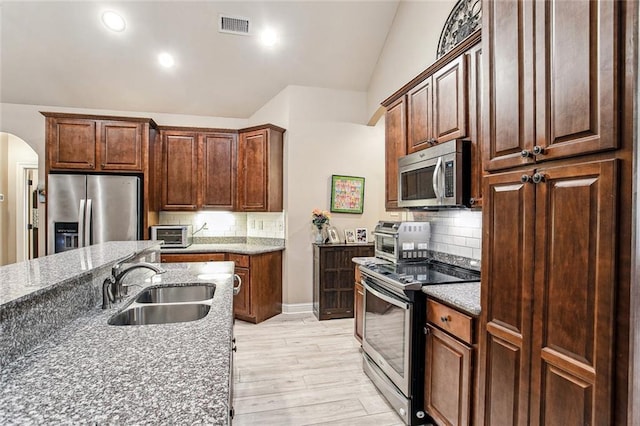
point(174, 236)
point(402, 241)
point(436, 177)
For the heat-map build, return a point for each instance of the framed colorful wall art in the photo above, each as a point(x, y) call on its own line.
point(347, 194)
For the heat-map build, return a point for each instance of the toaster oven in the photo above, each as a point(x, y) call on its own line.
point(174, 236)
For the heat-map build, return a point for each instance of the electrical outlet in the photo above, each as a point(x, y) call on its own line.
point(1, 198)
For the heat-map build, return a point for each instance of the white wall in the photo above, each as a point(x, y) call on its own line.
point(409, 49)
point(325, 136)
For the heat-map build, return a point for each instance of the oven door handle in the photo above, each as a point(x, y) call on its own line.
point(384, 297)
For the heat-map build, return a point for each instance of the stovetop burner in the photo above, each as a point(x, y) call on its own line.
point(429, 272)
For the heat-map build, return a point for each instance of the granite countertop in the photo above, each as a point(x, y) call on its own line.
point(464, 297)
point(30, 278)
point(92, 372)
point(237, 248)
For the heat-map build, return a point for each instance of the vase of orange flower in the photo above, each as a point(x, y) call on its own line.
point(319, 218)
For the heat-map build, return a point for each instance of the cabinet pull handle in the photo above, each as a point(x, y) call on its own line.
point(537, 178)
point(538, 150)
point(236, 290)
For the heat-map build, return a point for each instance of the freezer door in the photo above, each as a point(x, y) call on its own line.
point(114, 213)
point(64, 194)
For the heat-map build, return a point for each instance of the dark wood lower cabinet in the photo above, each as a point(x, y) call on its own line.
point(260, 295)
point(449, 373)
point(333, 278)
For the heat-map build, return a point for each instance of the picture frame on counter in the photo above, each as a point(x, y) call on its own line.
point(347, 194)
point(349, 236)
point(332, 235)
point(361, 235)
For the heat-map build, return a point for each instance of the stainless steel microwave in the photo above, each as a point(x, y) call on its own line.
point(436, 177)
point(177, 236)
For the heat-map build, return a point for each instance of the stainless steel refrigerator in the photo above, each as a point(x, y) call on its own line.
point(88, 209)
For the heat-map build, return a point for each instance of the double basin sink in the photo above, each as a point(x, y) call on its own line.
point(167, 304)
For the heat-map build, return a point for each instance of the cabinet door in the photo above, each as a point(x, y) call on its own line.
point(242, 300)
point(507, 43)
point(447, 393)
point(71, 143)
point(450, 101)
point(420, 132)
point(576, 62)
point(180, 163)
point(120, 146)
point(218, 171)
point(358, 301)
point(475, 123)
point(395, 147)
point(336, 282)
point(253, 173)
point(506, 299)
point(575, 281)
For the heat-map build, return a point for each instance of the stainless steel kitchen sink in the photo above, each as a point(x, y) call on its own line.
point(160, 314)
point(176, 294)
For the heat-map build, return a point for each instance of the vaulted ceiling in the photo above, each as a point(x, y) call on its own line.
point(59, 53)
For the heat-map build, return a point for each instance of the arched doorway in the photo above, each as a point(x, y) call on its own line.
point(19, 231)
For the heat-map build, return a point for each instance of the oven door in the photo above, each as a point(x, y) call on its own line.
point(387, 333)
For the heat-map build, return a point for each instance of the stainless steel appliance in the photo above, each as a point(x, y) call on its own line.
point(393, 340)
point(175, 236)
point(87, 209)
point(402, 241)
point(436, 177)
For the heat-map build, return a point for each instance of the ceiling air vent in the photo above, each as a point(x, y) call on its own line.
point(233, 25)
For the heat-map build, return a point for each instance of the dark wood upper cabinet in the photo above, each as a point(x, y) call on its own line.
point(120, 146)
point(450, 101)
point(97, 144)
point(437, 107)
point(420, 131)
point(71, 144)
point(576, 68)
point(180, 170)
point(260, 168)
point(568, 108)
point(395, 147)
point(508, 114)
point(218, 171)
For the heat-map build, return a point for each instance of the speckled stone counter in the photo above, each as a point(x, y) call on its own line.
point(90, 372)
point(237, 248)
point(464, 297)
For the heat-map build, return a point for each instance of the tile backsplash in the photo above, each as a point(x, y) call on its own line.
point(229, 224)
point(457, 232)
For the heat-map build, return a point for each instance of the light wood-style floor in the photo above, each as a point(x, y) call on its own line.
point(295, 370)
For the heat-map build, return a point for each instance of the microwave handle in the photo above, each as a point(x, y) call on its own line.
point(436, 178)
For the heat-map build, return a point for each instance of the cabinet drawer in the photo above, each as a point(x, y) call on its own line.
point(240, 260)
point(195, 257)
point(450, 320)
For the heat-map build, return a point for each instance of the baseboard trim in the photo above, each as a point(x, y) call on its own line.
point(297, 308)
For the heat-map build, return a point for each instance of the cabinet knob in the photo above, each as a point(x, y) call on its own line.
point(525, 178)
point(472, 201)
point(102, 165)
point(537, 178)
point(445, 319)
point(538, 150)
point(526, 154)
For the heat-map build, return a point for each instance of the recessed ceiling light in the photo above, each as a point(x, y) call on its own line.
point(166, 60)
point(113, 21)
point(269, 37)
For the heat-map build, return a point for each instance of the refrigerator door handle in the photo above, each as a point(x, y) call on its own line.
point(87, 225)
point(81, 224)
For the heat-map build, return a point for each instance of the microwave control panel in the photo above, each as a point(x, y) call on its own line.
point(448, 179)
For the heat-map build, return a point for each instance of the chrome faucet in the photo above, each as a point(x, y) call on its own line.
point(112, 287)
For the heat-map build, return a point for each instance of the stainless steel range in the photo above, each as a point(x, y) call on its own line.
point(393, 339)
